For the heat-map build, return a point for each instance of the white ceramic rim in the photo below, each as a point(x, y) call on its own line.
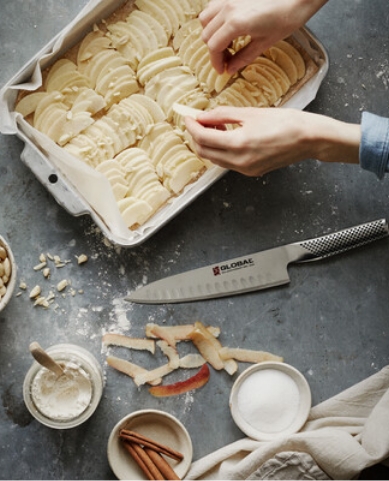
point(90, 364)
point(12, 281)
point(304, 408)
point(120, 461)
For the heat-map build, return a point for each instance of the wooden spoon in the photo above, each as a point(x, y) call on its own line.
point(41, 356)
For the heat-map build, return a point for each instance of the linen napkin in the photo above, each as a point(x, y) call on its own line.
point(342, 436)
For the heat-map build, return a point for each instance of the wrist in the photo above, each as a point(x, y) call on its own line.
point(308, 8)
point(331, 140)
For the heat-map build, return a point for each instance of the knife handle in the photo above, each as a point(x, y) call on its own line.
point(344, 240)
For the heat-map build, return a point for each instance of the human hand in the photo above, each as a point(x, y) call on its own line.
point(267, 139)
point(265, 21)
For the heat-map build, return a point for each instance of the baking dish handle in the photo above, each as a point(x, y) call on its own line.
point(53, 181)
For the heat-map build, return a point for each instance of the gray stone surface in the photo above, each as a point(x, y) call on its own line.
point(331, 322)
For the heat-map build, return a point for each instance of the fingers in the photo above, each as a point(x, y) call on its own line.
point(210, 11)
point(218, 36)
point(210, 142)
point(206, 135)
point(243, 57)
point(218, 32)
point(220, 116)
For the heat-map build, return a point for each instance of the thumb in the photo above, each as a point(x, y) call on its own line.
point(220, 116)
point(245, 56)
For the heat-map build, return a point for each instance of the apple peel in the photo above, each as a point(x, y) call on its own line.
point(247, 355)
point(194, 382)
point(112, 339)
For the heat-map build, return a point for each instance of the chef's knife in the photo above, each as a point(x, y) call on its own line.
point(255, 271)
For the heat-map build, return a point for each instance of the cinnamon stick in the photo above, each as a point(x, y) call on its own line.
point(145, 462)
point(161, 463)
point(135, 437)
point(130, 448)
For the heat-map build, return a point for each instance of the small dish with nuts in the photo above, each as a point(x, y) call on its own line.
point(7, 273)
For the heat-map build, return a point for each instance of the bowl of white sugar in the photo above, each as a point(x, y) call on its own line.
point(270, 400)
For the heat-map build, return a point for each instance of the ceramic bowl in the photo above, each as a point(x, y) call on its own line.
point(157, 425)
point(11, 282)
point(270, 400)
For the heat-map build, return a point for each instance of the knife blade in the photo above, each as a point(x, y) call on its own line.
point(256, 271)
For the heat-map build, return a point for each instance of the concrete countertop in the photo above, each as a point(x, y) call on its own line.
point(330, 322)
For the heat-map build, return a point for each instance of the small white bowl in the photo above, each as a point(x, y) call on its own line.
point(157, 425)
point(75, 357)
point(10, 286)
point(270, 400)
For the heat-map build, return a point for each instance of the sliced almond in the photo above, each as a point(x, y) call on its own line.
point(35, 292)
point(62, 285)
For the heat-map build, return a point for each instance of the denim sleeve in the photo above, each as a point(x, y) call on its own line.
point(374, 148)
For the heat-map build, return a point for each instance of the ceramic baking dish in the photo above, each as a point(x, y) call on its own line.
point(65, 180)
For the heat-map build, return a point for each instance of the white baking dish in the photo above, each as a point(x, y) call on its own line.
point(77, 187)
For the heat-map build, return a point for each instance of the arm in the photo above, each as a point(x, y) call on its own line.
point(266, 21)
point(268, 139)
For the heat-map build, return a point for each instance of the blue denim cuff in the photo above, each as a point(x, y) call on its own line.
point(374, 148)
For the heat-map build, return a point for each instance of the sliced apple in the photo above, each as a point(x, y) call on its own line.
point(93, 43)
point(154, 109)
point(295, 55)
point(283, 60)
point(87, 100)
point(153, 24)
point(134, 211)
point(194, 382)
point(28, 104)
point(186, 33)
point(150, 7)
point(186, 111)
point(151, 70)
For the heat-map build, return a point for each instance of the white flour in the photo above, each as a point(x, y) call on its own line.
point(64, 397)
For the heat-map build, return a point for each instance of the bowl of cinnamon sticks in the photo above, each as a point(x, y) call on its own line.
point(149, 444)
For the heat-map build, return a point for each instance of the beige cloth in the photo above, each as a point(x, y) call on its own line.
point(343, 435)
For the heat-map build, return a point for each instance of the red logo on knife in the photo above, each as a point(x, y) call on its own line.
point(232, 266)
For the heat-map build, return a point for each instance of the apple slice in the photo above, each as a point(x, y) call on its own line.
point(134, 211)
point(194, 382)
point(154, 25)
point(28, 104)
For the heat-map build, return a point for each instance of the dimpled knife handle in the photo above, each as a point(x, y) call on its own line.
point(344, 240)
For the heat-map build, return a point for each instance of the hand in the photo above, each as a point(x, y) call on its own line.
point(270, 138)
point(266, 21)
